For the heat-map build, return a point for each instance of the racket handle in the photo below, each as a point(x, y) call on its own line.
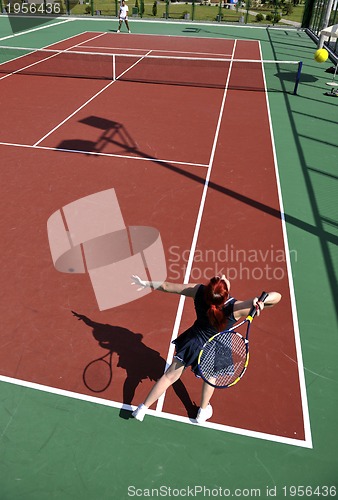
point(261, 298)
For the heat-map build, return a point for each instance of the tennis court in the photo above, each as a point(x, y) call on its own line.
point(201, 137)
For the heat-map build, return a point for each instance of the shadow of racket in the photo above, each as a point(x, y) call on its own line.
point(139, 361)
point(98, 374)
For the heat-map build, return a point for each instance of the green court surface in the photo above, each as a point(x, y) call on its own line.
point(56, 447)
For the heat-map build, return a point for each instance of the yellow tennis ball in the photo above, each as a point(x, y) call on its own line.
point(321, 55)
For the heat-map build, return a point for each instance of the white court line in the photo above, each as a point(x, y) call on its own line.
point(97, 153)
point(212, 54)
point(167, 416)
point(87, 102)
point(41, 60)
point(37, 29)
point(41, 48)
point(301, 375)
point(66, 119)
point(179, 313)
point(197, 25)
point(27, 66)
point(130, 67)
point(307, 443)
point(80, 43)
point(305, 410)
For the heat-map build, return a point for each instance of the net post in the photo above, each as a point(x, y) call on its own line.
point(114, 67)
point(300, 65)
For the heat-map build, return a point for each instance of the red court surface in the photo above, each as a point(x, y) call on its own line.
point(155, 145)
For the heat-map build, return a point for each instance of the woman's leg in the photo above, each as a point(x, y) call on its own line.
point(173, 373)
point(205, 411)
point(207, 392)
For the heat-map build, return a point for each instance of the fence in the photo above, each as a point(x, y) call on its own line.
point(229, 11)
point(317, 13)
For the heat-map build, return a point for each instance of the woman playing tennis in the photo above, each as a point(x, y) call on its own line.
point(123, 16)
point(215, 310)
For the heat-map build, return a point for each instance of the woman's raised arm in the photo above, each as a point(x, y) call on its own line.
point(189, 289)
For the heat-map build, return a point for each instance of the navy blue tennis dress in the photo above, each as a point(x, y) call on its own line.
point(190, 342)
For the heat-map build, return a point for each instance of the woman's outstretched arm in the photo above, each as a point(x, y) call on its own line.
point(189, 289)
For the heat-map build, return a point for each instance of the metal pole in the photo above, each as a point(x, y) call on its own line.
point(220, 12)
point(247, 11)
point(325, 22)
point(300, 65)
point(276, 13)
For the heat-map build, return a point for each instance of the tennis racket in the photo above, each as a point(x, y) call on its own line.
point(224, 358)
point(98, 374)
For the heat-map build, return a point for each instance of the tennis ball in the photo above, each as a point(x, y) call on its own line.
point(321, 55)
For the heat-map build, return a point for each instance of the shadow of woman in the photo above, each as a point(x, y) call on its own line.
point(137, 359)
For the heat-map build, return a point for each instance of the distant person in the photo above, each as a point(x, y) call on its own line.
point(123, 16)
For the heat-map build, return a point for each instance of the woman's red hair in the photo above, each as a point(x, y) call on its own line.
point(216, 293)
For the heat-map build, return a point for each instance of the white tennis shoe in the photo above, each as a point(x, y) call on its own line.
point(204, 414)
point(140, 412)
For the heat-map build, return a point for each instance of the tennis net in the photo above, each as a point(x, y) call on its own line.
point(210, 72)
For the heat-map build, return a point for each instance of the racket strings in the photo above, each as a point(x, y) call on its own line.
point(223, 360)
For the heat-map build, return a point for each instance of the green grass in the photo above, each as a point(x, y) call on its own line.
point(182, 10)
point(201, 12)
point(296, 15)
point(177, 10)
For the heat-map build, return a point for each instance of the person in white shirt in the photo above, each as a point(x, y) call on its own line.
point(123, 16)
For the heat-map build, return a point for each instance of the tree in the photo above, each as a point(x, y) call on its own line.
point(155, 8)
point(287, 8)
